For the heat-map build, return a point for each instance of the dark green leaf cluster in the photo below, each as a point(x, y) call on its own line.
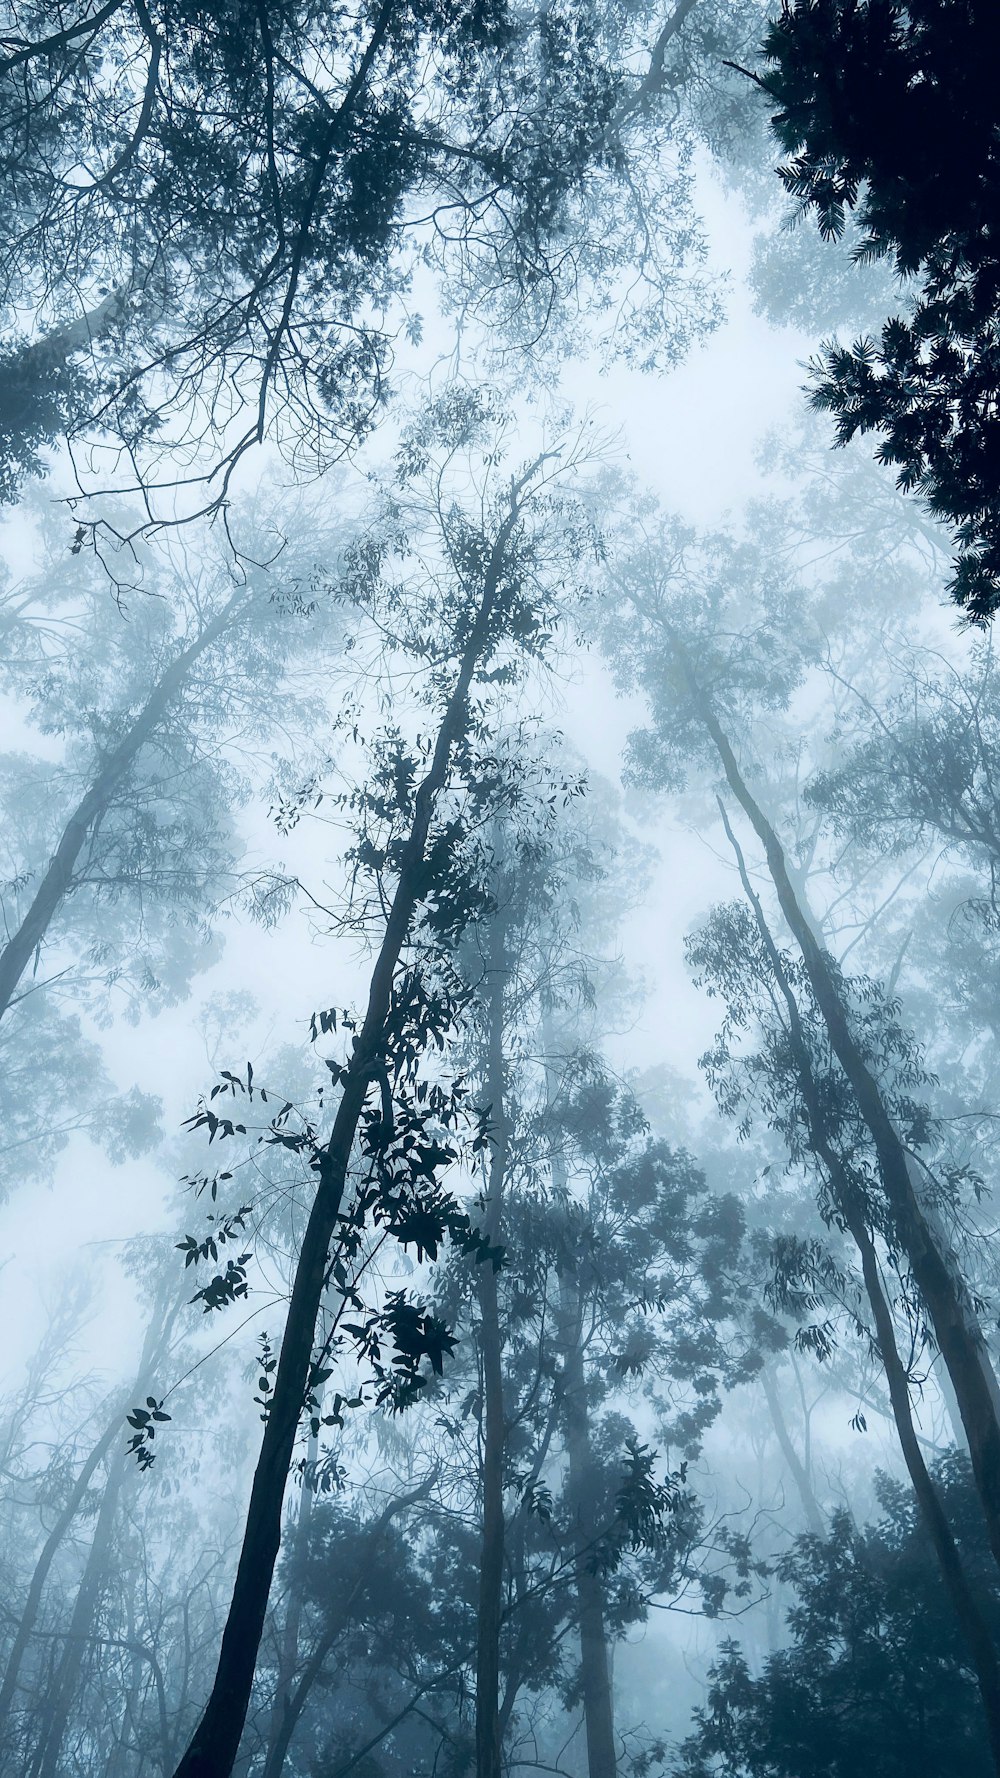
point(890, 110)
point(144, 1422)
point(876, 1677)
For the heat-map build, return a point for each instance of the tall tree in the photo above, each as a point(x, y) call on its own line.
point(716, 659)
point(612, 1311)
point(423, 886)
point(146, 730)
point(806, 1106)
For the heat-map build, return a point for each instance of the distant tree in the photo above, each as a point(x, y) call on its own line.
point(924, 767)
point(118, 852)
point(74, 1608)
point(791, 1077)
point(612, 1319)
point(362, 1603)
point(798, 280)
point(911, 785)
point(144, 732)
point(889, 110)
point(875, 1677)
point(123, 1123)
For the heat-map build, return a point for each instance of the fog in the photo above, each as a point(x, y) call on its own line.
point(498, 901)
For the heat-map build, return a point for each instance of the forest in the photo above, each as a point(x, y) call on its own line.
point(499, 889)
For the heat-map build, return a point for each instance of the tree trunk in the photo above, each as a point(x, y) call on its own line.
point(159, 1327)
point(285, 1721)
point(800, 1475)
point(278, 1736)
point(956, 1328)
point(595, 1664)
point(849, 1202)
point(32, 1604)
point(58, 879)
point(215, 1742)
point(494, 1431)
point(79, 1636)
point(964, 1603)
point(598, 1704)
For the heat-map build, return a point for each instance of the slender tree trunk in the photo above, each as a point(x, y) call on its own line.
point(351, 1764)
point(800, 1475)
point(57, 882)
point(970, 1618)
point(288, 1653)
point(79, 1635)
point(32, 1603)
point(951, 1409)
point(956, 1328)
point(494, 1430)
point(292, 1706)
point(595, 1663)
point(964, 1603)
point(598, 1701)
point(490, 1613)
point(120, 1758)
point(160, 1322)
point(215, 1742)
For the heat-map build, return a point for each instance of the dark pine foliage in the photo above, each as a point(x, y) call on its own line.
point(892, 112)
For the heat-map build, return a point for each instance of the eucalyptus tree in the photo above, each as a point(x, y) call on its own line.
point(94, 1617)
point(713, 645)
point(146, 732)
point(466, 599)
point(123, 1123)
point(791, 1080)
point(712, 672)
point(39, 1461)
point(214, 221)
point(380, 1644)
point(612, 1313)
point(159, 709)
point(54, 1706)
point(650, 1269)
point(923, 766)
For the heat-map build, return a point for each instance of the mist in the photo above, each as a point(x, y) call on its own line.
point(499, 941)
